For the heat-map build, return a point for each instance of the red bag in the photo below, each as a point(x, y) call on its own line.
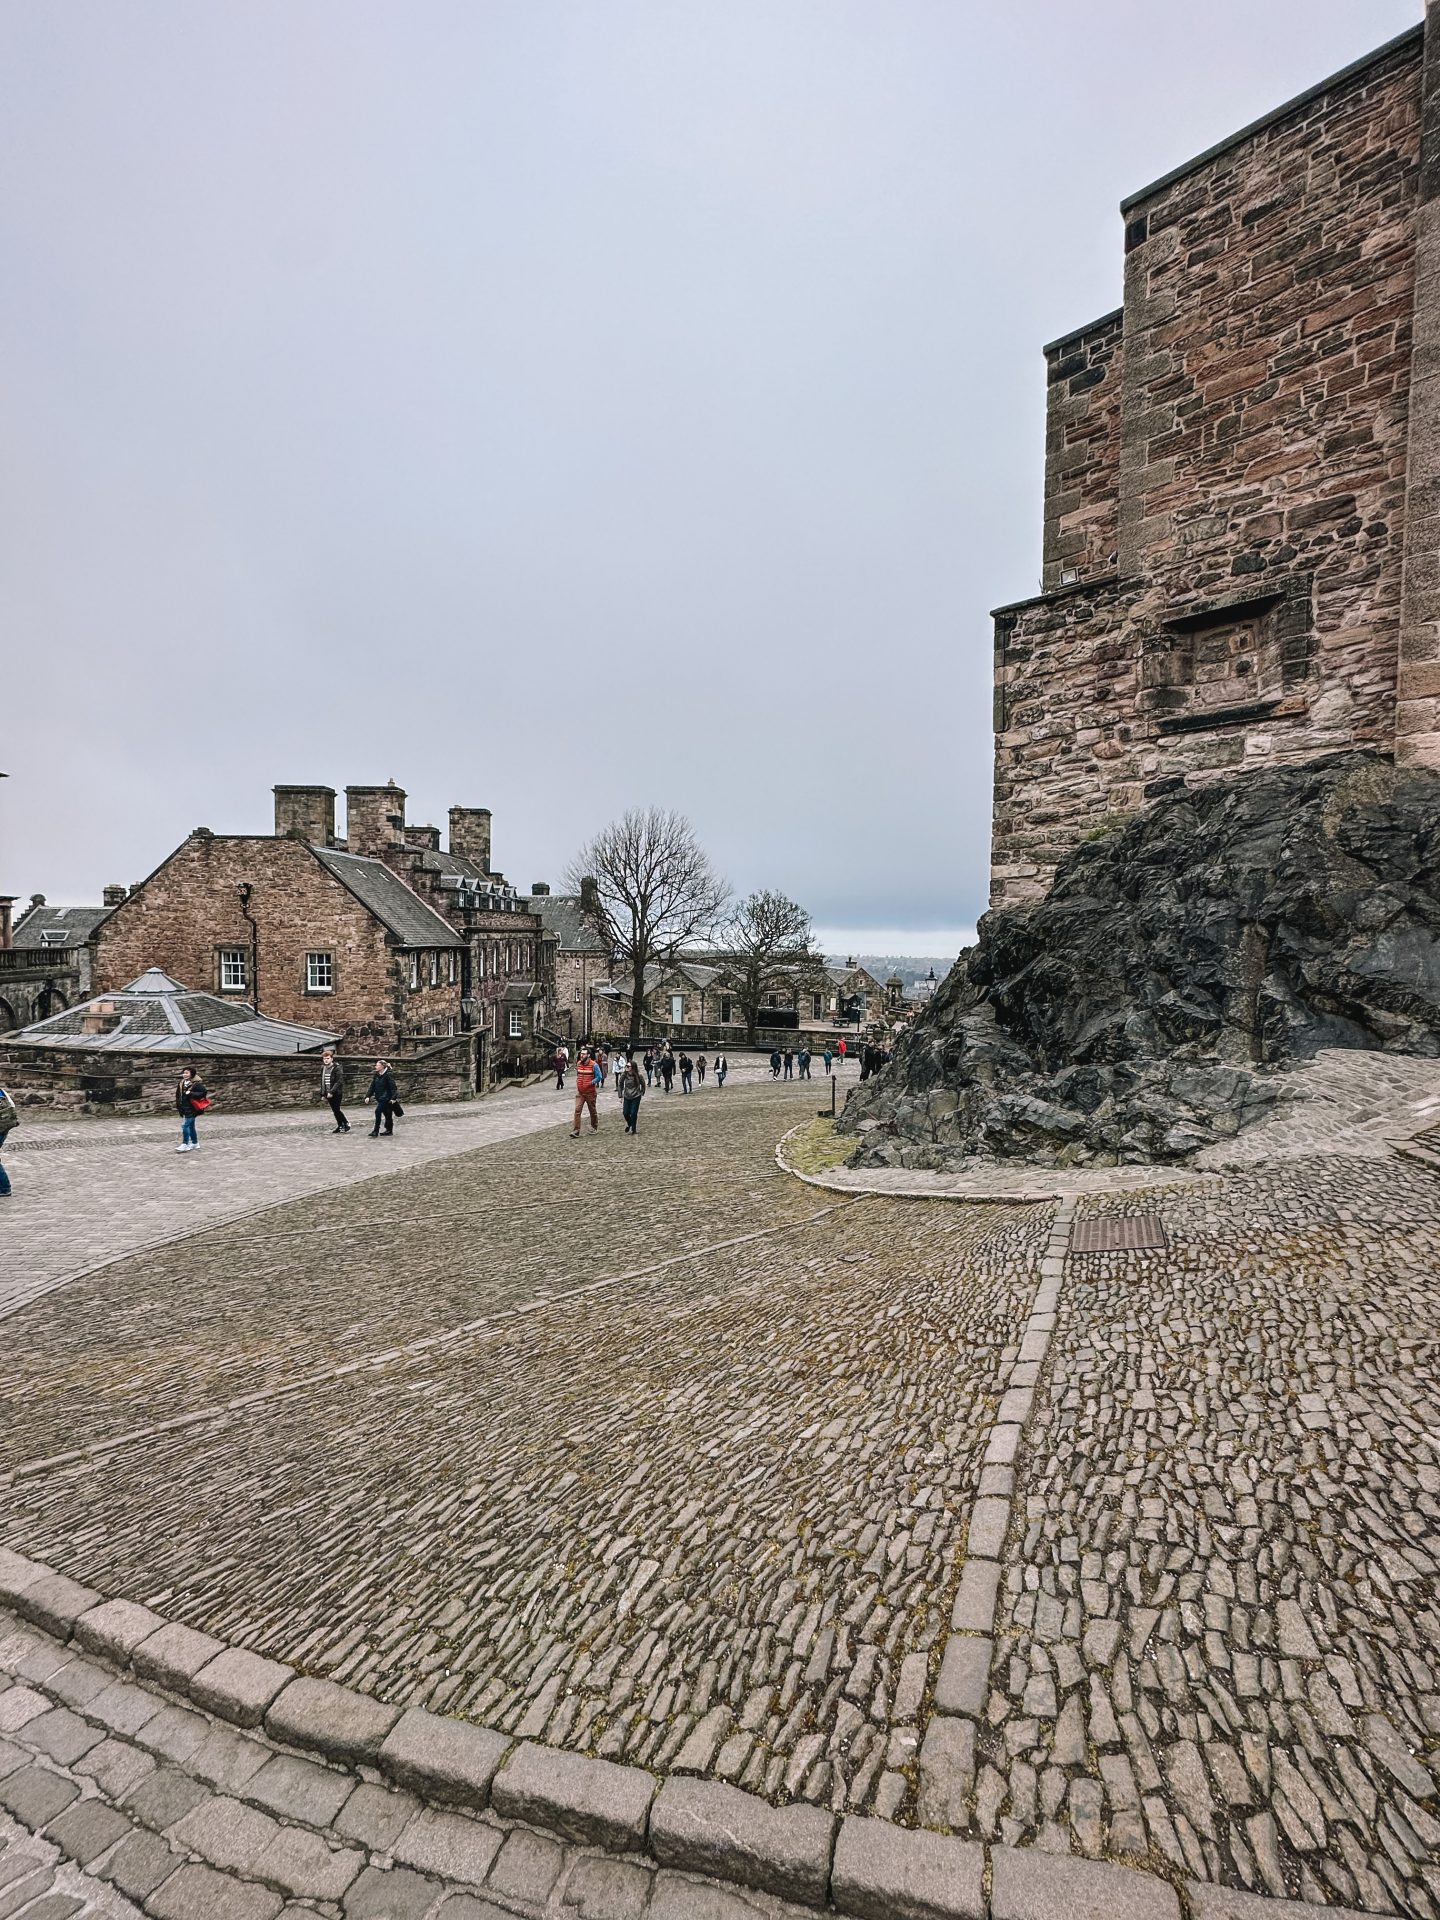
point(202, 1103)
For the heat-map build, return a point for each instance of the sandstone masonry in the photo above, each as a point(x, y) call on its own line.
point(1242, 483)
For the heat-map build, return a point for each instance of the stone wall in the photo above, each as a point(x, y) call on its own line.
point(74, 1081)
point(1226, 475)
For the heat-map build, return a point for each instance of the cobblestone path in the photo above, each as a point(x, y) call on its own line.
point(641, 1448)
point(713, 1508)
point(1219, 1639)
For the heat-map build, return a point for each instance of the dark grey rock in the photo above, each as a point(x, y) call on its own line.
point(1135, 1013)
point(707, 1827)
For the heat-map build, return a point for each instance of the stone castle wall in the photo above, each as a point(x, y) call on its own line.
point(1226, 480)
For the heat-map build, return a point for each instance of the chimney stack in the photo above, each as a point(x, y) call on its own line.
point(374, 818)
point(7, 935)
point(305, 813)
point(113, 896)
point(542, 887)
point(470, 835)
point(426, 838)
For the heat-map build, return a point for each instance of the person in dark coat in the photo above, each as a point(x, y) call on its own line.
point(632, 1092)
point(667, 1069)
point(384, 1092)
point(190, 1099)
point(687, 1071)
point(775, 1063)
point(332, 1086)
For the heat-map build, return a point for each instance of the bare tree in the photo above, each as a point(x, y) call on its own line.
point(647, 889)
point(769, 946)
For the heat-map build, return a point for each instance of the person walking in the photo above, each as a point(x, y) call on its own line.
point(649, 1066)
point(722, 1067)
point(789, 1063)
point(385, 1094)
point(190, 1099)
point(687, 1073)
point(667, 1070)
point(619, 1061)
point(632, 1092)
point(587, 1081)
point(332, 1087)
point(560, 1060)
point(774, 1063)
point(700, 1069)
point(841, 1049)
point(804, 1059)
point(9, 1120)
point(829, 1056)
point(602, 1062)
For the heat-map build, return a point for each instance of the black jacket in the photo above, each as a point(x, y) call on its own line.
point(186, 1096)
point(382, 1088)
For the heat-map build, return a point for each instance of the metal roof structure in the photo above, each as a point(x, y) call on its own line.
point(155, 1014)
point(398, 908)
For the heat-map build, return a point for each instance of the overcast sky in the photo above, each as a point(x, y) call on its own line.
point(559, 407)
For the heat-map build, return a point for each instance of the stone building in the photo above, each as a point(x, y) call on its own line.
point(381, 937)
point(44, 957)
point(580, 962)
point(1242, 476)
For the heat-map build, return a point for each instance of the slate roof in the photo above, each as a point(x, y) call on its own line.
point(397, 907)
point(560, 914)
point(74, 925)
point(155, 1014)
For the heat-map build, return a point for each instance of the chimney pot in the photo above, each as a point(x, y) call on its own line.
point(542, 887)
point(112, 896)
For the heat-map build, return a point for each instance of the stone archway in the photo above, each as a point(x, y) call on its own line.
point(8, 1022)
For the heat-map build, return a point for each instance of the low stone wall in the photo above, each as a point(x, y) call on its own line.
point(100, 1081)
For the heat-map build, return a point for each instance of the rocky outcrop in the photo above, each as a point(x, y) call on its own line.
point(1140, 1010)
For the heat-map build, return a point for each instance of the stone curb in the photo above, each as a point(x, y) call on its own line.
point(889, 1193)
point(947, 1757)
point(864, 1868)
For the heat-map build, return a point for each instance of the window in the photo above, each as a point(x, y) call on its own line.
point(450, 1027)
point(772, 999)
point(724, 1009)
point(319, 973)
point(434, 1029)
point(435, 969)
point(517, 1023)
point(234, 970)
point(452, 966)
point(414, 970)
point(817, 1006)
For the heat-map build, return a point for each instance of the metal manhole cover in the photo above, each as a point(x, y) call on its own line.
point(1117, 1233)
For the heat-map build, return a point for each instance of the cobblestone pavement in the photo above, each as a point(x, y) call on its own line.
point(116, 1803)
point(1219, 1635)
point(88, 1190)
point(643, 1449)
point(713, 1508)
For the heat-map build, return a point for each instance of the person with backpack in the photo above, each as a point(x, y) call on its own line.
point(9, 1120)
point(587, 1082)
point(332, 1088)
point(386, 1097)
point(190, 1098)
point(829, 1056)
point(632, 1091)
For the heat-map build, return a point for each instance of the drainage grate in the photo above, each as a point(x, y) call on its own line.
point(1117, 1233)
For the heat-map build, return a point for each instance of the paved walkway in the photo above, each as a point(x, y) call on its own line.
point(643, 1450)
point(89, 1190)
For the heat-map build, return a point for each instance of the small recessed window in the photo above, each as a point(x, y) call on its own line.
point(435, 969)
point(234, 970)
point(319, 973)
point(452, 967)
point(414, 970)
point(517, 1024)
